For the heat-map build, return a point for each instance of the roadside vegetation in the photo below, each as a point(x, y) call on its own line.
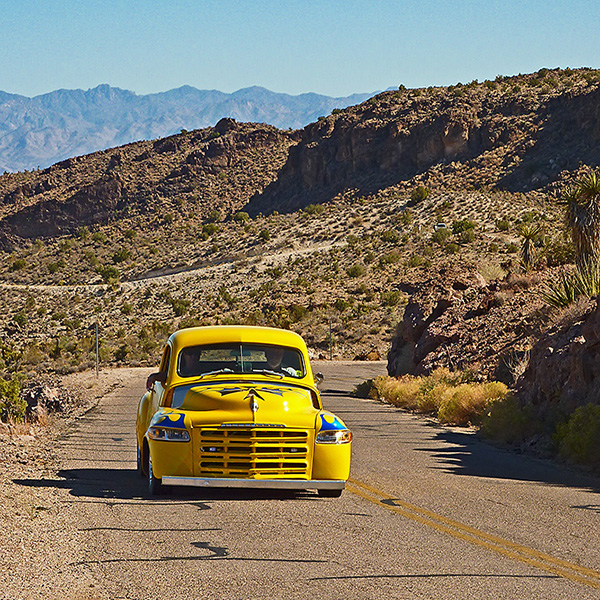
point(452, 397)
point(553, 428)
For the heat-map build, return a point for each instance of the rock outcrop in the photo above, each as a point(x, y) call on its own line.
point(457, 320)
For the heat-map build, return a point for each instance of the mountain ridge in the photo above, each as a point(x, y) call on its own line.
point(40, 131)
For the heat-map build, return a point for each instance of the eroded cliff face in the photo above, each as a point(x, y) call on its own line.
point(519, 142)
point(564, 366)
point(458, 321)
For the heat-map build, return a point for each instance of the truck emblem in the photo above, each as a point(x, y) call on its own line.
point(252, 396)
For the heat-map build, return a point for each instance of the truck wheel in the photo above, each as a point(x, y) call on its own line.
point(140, 467)
point(155, 486)
point(329, 493)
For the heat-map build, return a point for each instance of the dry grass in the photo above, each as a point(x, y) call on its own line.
point(443, 394)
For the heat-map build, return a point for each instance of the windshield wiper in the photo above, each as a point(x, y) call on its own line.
point(269, 372)
point(217, 372)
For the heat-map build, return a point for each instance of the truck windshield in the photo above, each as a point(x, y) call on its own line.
point(261, 359)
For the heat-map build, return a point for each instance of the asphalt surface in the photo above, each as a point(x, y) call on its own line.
point(430, 512)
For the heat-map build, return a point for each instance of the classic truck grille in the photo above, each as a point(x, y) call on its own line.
point(260, 453)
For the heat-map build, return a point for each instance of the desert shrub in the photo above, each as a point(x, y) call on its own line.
point(578, 439)
point(122, 352)
point(168, 218)
point(364, 389)
point(390, 258)
point(341, 305)
point(18, 264)
point(20, 319)
point(297, 312)
point(264, 235)
point(213, 216)
point(512, 248)
point(241, 217)
point(355, 270)
point(440, 236)
point(467, 236)
point(419, 194)
point(467, 403)
point(503, 225)
point(462, 225)
point(415, 261)
point(99, 237)
point(452, 248)
point(390, 236)
point(12, 405)
point(109, 274)
point(127, 308)
point(453, 397)
point(121, 255)
point(400, 392)
point(208, 229)
point(391, 298)
point(406, 217)
point(83, 232)
point(314, 209)
point(130, 234)
point(507, 421)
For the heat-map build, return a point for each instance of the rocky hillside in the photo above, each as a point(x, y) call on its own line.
point(518, 134)
point(218, 168)
point(398, 218)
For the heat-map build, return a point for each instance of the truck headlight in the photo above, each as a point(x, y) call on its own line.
point(334, 436)
point(168, 434)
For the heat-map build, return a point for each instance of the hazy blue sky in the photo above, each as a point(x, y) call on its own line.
point(333, 47)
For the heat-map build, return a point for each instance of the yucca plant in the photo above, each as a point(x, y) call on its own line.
point(530, 234)
point(584, 281)
point(560, 293)
point(582, 219)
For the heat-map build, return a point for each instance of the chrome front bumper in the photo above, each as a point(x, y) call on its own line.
point(263, 484)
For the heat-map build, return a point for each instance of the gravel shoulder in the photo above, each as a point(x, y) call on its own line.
point(40, 545)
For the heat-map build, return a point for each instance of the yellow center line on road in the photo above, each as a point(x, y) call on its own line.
point(511, 550)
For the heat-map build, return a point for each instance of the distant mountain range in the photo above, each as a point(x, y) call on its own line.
point(37, 132)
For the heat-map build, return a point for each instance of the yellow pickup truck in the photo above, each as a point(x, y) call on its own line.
point(238, 407)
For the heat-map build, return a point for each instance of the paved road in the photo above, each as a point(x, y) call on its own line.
point(430, 513)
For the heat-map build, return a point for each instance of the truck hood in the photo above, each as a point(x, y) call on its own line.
point(245, 403)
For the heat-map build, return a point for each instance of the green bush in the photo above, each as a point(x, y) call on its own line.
point(578, 439)
point(462, 225)
point(109, 274)
point(419, 194)
point(341, 305)
point(355, 270)
point(507, 421)
point(390, 236)
point(392, 298)
point(313, 209)
point(18, 264)
point(241, 217)
point(12, 406)
point(121, 255)
point(440, 236)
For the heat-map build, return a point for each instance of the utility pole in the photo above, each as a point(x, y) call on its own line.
point(97, 353)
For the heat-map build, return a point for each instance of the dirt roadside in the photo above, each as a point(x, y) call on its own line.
point(39, 547)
